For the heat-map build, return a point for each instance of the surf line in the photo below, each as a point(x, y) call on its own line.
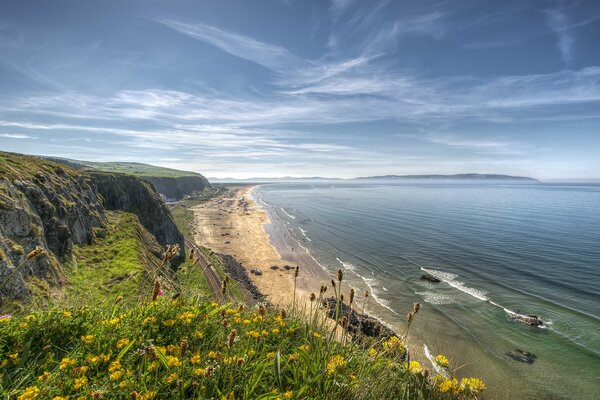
point(478, 294)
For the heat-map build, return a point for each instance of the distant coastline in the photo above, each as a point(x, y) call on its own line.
point(429, 177)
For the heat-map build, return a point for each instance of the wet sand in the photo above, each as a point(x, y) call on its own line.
point(234, 224)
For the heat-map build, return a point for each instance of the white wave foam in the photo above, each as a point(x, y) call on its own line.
point(370, 282)
point(436, 298)
point(348, 266)
point(304, 234)
point(450, 280)
point(437, 368)
point(288, 214)
point(384, 288)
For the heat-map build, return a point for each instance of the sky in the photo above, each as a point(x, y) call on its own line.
point(334, 88)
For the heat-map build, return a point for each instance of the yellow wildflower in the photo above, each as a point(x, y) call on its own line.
point(288, 395)
point(116, 375)
point(394, 344)
point(214, 355)
point(171, 378)
point(441, 361)
point(169, 322)
point(80, 383)
point(83, 369)
point(88, 339)
point(472, 385)
point(448, 385)
point(149, 320)
point(246, 322)
point(251, 352)
point(372, 352)
point(415, 367)
point(146, 396)
point(335, 363)
point(67, 314)
point(66, 363)
point(104, 357)
point(32, 392)
point(275, 331)
point(23, 325)
point(114, 366)
point(122, 343)
point(60, 398)
point(14, 356)
point(123, 384)
point(304, 347)
point(30, 317)
point(196, 358)
point(44, 377)
point(187, 317)
point(271, 355)
point(92, 359)
point(173, 361)
point(316, 335)
point(199, 372)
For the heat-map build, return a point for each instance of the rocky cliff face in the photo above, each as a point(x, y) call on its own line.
point(132, 194)
point(47, 205)
point(53, 206)
point(177, 188)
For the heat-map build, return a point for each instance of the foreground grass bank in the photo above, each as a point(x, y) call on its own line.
point(181, 349)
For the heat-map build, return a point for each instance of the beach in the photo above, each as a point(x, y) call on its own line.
point(234, 224)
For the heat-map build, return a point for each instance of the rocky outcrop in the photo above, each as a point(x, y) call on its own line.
point(53, 206)
point(359, 324)
point(132, 194)
point(47, 205)
point(177, 188)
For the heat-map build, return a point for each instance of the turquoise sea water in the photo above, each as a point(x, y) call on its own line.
point(498, 248)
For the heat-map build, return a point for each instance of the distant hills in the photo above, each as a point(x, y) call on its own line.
point(454, 177)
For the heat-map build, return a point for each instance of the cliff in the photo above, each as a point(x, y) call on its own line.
point(176, 188)
point(173, 184)
point(54, 207)
point(134, 195)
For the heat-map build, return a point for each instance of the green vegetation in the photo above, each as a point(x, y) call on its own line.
point(185, 349)
point(137, 169)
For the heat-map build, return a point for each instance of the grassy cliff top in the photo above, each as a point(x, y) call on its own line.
point(137, 169)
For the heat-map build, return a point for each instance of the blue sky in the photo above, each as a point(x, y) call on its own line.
point(303, 88)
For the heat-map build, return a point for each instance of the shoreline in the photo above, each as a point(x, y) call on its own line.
point(235, 223)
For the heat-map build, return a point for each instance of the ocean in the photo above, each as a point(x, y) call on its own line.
point(499, 249)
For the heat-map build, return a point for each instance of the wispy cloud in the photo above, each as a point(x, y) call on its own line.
point(273, 57)
point(16, 136)
point(557, 21)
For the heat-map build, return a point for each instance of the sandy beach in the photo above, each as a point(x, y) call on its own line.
point(234, 224)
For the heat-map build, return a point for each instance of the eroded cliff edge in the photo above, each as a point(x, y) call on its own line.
point(52, 206)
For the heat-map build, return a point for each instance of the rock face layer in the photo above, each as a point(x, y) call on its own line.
point(177, 188)
point(52, 206)
point(134, 195)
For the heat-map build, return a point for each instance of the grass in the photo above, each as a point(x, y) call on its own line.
point(116, 263)
point(186, 349)
point(138, 169)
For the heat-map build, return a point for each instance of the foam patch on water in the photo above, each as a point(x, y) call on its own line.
point(288, 214)
point(370, 282)
point(450, 279)
point(304, 234)
point(437, 298)
point(347, 265)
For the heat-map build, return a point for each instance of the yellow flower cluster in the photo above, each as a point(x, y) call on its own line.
point(335, 364)
point(441, 360)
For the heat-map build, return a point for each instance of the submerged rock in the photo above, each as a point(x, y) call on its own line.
point(531, 320)
point(522, 356)
point(430, 278)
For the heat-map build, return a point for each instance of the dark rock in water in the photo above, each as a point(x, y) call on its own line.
point(531, 320)
point(287, 267)
point(522, 356)
point(360, 324)
point(256, 272)
point(274, 267)
point(430, 278)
